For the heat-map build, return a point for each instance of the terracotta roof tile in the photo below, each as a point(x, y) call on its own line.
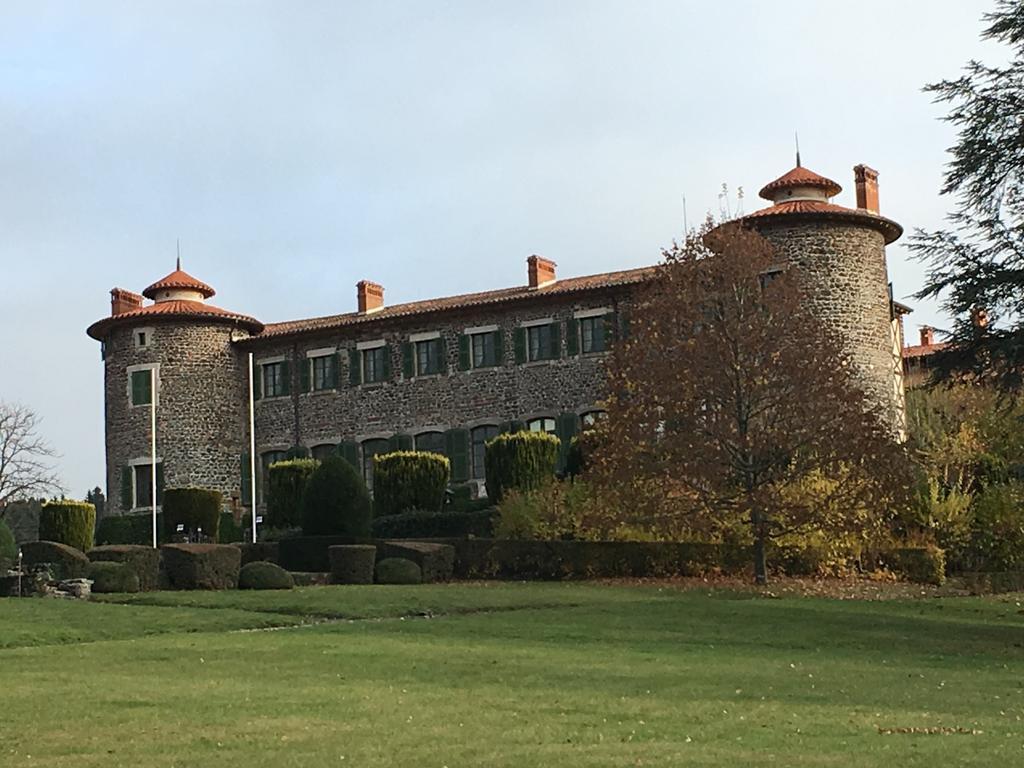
point(800, 177)
point(179, 279)
point(923, 350)
point(174, 309)
point(889, 228)
point(558, 288)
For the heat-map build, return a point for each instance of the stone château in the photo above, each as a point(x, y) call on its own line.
point(445, 374)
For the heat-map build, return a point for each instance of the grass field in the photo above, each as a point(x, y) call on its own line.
point(510, 675)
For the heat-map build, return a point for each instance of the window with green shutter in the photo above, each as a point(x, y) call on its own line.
point(321, 372)
point(572, 337)
point(141, 386)
point(519, 345)
point(355, 367)
point(246, 476)
point(592, 334)
point(375, 365)
point(457, 450)
point(408, 360)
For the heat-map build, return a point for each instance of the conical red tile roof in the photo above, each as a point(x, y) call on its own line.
point(179, 280)
point(799, 177)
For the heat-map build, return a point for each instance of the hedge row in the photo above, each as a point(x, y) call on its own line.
point(137, 529)
point(197, 509)
point(436, 525)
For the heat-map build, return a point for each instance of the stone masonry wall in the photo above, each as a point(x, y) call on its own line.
point(844, 268)
point(448, 400)
point(202, 407)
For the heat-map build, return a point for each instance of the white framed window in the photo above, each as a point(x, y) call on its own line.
point(141, 474)
point(542, 424)
point(143, 384)
point(142, 338)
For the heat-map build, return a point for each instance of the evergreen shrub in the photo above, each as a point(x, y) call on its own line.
point(264, 575)
point(128, 529)
point(435, 525)
point(108, 576)
point(144, 560)
point(8, 547)
point(193, 508)
point(286, 482)
point(336, 502)
point(201, 566)
point(68, 522)
point(67, 562)
point(408, 480)
point(522, 461)
point(436, 561)
point(230, 531)
point(397, 570)
point(352, 563)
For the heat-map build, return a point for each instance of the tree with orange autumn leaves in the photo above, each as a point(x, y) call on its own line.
point(729, 404)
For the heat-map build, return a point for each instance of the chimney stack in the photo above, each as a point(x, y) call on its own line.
point(866, 180)
point(122, 301)
point(370, 297)
point(979, 319)
point(540, 271)
point(927, 335)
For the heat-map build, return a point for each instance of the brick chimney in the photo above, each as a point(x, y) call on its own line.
point(866, 180)
point(122, 301)
point(927, 335)
point(370, 297)
point(979, 319)
point(541, 271)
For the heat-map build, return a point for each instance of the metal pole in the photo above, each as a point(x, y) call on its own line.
point(152, 445)
point(252, 449)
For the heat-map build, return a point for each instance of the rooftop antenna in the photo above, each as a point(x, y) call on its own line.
point(177, 241)
point(796, 136)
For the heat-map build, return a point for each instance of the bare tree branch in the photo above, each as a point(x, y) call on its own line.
point(25, 468)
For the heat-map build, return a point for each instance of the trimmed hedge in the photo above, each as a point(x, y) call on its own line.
point(108, 576)
point(230, 532)
point(408, 480)
point(128, 529)
point(336, 501)
point(396, 570)
point(308, 553)
point(352, 563)
point(193, 508)
point(145, 561)
point(68, 522)
point(522, 461)
point(261, 551)
point(67, 562)
point(201, 566)
point(263, 575)
point(436, 525)
point(8, 547)
point(436, 561)
point(286, 482)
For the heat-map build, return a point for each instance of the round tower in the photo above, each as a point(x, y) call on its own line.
point(174, 357)
point(839, 254)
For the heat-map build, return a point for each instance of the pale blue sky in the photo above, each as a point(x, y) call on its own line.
point(298, 147)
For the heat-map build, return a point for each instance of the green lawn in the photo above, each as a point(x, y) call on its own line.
point(510, 675)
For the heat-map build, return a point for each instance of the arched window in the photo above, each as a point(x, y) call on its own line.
point(430, 441)
point(478, 439)
point(322, 451)
point(370, 449)
point(542, 424)
point(590, 419)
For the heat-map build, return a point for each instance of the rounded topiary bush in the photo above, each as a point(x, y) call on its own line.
point(522, 461)
point(407, 480)
point(8, 547)
point(109, 576)
point(263, 575)
point(194, 508)
point(68, 522)
point(286, 482)
point(352, 563)
point(66, 562)
point(398, 570)
point(336, 502)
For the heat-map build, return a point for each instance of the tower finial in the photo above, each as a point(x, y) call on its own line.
point(796, 136)
point(177, 241)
